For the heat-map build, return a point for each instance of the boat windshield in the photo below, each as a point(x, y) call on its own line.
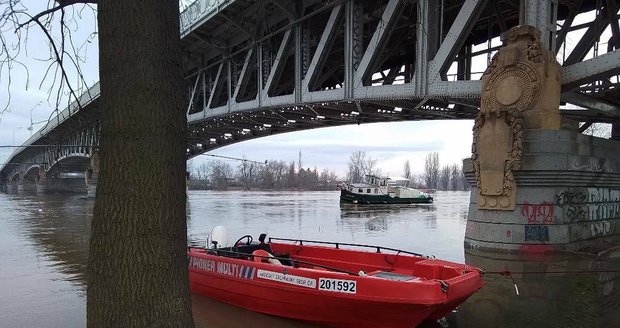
point(399, 182)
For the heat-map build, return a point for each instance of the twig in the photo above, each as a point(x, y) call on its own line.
point(61, 4)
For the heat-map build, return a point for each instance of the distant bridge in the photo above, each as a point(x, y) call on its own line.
point(255, 68)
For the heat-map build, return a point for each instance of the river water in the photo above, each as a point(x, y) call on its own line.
point(44, 249)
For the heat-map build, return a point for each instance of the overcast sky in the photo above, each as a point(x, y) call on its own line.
point(390, 143)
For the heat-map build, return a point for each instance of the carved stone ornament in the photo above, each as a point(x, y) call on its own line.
point(519, 73)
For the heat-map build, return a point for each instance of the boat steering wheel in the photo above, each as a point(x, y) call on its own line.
point(247, 243)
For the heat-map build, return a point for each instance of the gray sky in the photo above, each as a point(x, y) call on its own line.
point(390, 143)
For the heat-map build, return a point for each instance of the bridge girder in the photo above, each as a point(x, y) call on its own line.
point(257, 68)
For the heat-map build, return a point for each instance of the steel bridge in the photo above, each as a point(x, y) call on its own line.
point(259, 67)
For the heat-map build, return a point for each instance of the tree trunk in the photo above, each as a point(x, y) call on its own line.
point(137, 269)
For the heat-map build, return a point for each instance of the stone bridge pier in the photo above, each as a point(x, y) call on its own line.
point(11, 186)
point(538, 185)
point(54, 183)
point(91, 175)
point(26, 183)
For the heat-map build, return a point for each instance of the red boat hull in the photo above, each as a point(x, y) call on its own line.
point(331, 298)
point(316, 309)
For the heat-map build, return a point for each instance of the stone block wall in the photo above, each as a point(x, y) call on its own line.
point(568, 197)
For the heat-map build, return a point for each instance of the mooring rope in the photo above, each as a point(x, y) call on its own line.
point(508, 273)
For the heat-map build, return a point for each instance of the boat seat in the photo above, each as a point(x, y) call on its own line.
point(265, 257)
point(249, 249)
point(392, 275)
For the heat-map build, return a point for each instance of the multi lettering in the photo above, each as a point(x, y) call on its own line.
point(223, 268)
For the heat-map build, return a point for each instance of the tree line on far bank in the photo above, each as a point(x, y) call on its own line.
point(447, 177)
point(279, 175)
point(249, 175)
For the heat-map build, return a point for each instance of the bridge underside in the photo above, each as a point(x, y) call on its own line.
point(259, 68)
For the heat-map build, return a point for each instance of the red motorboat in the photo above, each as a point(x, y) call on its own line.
point(331, 284)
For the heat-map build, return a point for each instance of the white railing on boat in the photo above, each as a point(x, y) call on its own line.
point(338, 244)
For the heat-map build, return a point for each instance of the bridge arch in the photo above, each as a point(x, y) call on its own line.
point(70, 163)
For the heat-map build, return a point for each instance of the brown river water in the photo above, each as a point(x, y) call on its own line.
point(44, 249)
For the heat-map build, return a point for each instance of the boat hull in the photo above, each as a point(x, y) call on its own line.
point(331, 298)
point(317, 309)
point(353, 198)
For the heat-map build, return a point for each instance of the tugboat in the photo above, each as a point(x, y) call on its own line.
point(378, 190)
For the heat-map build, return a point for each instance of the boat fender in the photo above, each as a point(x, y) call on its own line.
point(264, 256)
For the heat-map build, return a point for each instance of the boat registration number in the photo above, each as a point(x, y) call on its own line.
point(338, 285)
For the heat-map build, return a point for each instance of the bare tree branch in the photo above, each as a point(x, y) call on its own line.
point(61, 4)
point(62, 49)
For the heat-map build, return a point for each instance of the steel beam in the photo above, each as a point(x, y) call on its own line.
point(455, 38)
point(614, 41)
point(378, 40)
point(278, 65)
point(325, 43)
point(214, 87)
point(420, 73)
point(541, 14)
point(191, 98)
point(352, 45)
point(298, 57)
point(229, 82)
point(236, 24)
point(561, 35)
point(456, 89)
point(242, 76)
point(285, 7)
point(591, 70)
point(588, 39)
point(597, 105)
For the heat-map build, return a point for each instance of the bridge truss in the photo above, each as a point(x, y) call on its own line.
point(265, 67)
point(257, 67)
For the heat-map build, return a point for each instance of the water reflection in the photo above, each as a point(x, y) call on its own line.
point(44, 243)
point(376, 217)
point(554, 291)
point(213, 314)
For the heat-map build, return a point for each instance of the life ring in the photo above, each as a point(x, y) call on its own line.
point(265, 257)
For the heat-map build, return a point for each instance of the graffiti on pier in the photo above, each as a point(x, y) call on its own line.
point(599, 229)
point(589, 204)
point(576, 213)
point(536, 233)
point(606, 283)
point(538, 213)
point(603, 211)
point(603, 195)
point(590, 164)
point(570, 197)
